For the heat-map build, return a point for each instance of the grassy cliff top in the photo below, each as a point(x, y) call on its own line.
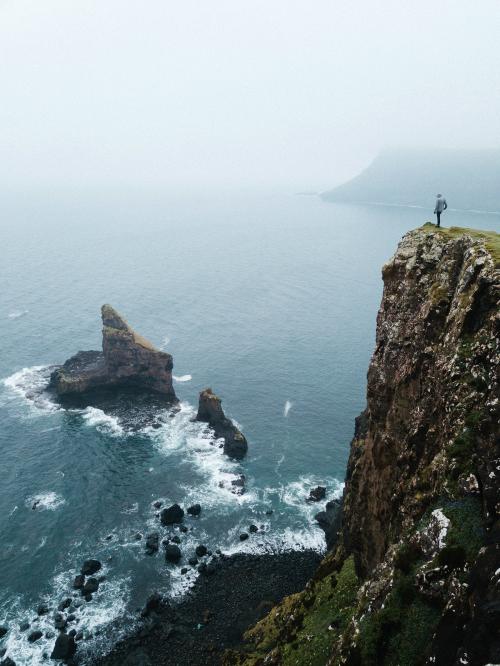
point(491, 238)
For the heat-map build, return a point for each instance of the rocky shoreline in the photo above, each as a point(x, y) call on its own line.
point(224, 602)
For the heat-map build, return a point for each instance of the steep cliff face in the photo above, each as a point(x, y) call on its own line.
point(415, 575)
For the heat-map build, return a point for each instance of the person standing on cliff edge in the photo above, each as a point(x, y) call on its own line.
point(439, 207)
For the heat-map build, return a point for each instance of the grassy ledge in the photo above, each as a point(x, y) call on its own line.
point(490, 238)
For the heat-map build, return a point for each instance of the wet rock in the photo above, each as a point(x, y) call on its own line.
point(243, 536)
point(34, 636)
point(152, 543)
point(175, 539)
point(64, 647)
point(238, 485)
point(65, 603)
point(194, 510)
point(193, 561)
point(138, 536)
point(90, 567)
point(317, 494)
point(91, 586)
point(60, 622)
point(174, 514)
point(126, 359)
point(3, 631)
point(79, 636)
point(24, 626)
point(201, 550)
point(88, 597)
point(184, 570)
point(71, 617)
point(253, 528)
point(172, 553)
point(183, 528)
point(210, 411)
point(42, 609)
point(157, 504)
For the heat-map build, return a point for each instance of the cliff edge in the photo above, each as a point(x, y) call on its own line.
point(414, 577)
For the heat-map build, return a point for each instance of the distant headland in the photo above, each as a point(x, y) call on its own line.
point(469, 179)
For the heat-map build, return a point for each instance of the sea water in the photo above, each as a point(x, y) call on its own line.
point(267, 297)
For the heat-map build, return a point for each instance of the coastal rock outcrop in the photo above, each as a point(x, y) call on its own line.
point(413, 576)
point(210, 411)
point(127, 360)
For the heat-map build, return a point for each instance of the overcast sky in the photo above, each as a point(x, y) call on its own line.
point(256, 92)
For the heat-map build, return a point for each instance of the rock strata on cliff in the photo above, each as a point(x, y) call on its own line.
point(414, 576)
point(126, 360)
point(210, 411)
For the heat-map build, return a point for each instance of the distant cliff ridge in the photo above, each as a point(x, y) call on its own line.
point(469, 179)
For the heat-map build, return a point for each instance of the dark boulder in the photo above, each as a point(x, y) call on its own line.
point(253, 529)
point(24, 626)
point(42, 609)
point(210, 411)
point(172, 553)
point(193, 561)
point(153, 604)
point(3, 631)
point(7, 662)
point(201, 550)
point(317, 494)
point(90, 567)
point(64, 647)
point(79, 582)
point(174, 514)
point(152, 543)
point(60, 622)
point(243, 536)
point(65, 603)
point(194, 510)
point(175, 539)
point(91, 586)
point(34, 636)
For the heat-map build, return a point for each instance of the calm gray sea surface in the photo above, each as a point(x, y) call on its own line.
point(270, 298)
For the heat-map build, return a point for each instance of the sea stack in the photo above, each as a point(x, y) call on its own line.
point(210, 411)
point(127, 360)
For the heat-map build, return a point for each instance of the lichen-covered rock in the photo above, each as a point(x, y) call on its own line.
point(210, 411)
point(127, 360)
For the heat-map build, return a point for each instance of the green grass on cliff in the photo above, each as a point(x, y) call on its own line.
point(491, 238)
point(305, 626)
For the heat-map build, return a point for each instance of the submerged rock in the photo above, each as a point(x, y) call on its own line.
point(126, 360)
point(210, 411)
point(152, 543)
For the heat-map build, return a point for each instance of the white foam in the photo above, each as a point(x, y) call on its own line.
point(103, 422)
point(30, 384)
point(49, 501)
point(16, 314)
point(183, 378)
point(288, 406)
point(164, 343)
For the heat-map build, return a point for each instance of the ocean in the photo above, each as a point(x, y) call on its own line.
point(268, 297)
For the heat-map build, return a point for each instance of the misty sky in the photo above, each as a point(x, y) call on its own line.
point(255, 92)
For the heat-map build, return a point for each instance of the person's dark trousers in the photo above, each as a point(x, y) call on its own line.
point(438, 214)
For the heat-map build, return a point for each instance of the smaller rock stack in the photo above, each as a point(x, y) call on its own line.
point(210, 411)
